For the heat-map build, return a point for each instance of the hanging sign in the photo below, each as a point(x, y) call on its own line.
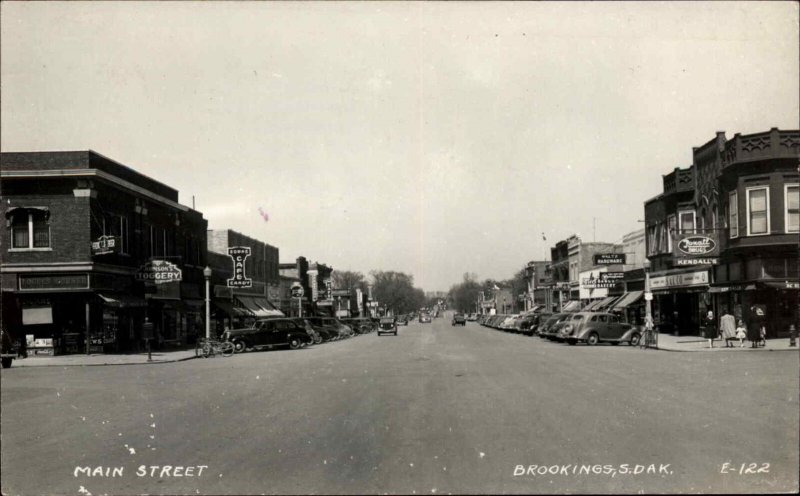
point(104, 245)
point(159, 272)
point(297, 290)
point(313, 283)
point(609, 258)
point(239, 280)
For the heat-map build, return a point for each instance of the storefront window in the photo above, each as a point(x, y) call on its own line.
point(757, 211)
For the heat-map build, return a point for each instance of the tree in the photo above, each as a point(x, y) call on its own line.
point(465, 294)
point(396, 291)
point(347, 279)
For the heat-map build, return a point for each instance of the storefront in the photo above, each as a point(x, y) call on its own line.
point(680, 300)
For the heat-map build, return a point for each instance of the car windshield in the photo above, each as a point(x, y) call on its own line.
point(577, 317)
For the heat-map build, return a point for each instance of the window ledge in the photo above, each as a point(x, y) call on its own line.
point(28, 249)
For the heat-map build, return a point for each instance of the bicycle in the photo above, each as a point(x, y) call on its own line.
point(211, 347)
point(649, 339)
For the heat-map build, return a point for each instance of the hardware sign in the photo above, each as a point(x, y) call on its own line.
point(239, 254)
point(609, 258)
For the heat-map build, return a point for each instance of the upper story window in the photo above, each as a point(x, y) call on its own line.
point(757, 211)
point(733, 213)
point(687, 221)
point(672, 226)
point(30, 228)
point(792, 202)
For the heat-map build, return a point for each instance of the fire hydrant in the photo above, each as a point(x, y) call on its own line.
point(792, 335)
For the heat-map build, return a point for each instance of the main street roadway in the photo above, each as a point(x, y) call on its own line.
point(435, 410)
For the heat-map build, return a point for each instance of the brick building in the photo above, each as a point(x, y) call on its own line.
point(92, 248)
point(742, 195)
point(256, 294)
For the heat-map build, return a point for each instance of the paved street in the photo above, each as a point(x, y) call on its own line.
point(434, 410)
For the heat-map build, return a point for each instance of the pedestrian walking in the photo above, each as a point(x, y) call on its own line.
point(755, 324)
point(727, 326)
point(741, 334)
point(710, 328)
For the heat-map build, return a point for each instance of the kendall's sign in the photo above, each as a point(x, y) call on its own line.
point(239, 254)
point(159, 272)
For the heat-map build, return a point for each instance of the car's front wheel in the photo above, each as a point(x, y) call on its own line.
point(593, 339)
point(635, 339)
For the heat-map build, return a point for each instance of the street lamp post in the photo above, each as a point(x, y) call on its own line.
point(207, 275)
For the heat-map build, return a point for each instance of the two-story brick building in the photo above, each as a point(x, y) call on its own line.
point(253, 293)
point(740, 199)
point(91, 249)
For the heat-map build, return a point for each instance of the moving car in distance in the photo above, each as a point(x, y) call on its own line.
point(402, 320)
point(387, 325)
point(472, 317)
point(459, 319)
point(424, 318)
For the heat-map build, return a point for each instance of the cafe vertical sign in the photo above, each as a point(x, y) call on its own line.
point(239, 254)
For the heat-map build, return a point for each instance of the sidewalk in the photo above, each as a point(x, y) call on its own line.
point(102, 359)
point(669, 342)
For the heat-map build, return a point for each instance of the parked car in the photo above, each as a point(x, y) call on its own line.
point(316, 337)
point(548, 330)
point(402, 320)
point(268, 333)
point(596, 327)
point(388, 325)
point(538, 320)
point(459, 319)
point(424, 318)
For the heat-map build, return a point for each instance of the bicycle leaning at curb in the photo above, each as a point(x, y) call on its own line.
point(211, 347)
point(650, 339)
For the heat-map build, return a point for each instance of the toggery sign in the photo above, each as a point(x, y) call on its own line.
point(159, 272)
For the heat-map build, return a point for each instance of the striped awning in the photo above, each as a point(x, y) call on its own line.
point(628, 299)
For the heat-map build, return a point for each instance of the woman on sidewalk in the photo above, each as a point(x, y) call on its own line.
point(710, 328)
point(727, 327)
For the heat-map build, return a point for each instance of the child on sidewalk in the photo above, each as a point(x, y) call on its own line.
point(741, 334)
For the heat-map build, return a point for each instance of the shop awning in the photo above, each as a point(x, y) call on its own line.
point(779, 284)
point(122, 301)
point(260, 307)
point(572, 306)
point(628, 299)
point(590, 307)
point(605, 303)
point(732, 287)
point(227, 307)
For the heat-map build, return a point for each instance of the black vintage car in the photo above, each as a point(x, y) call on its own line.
point(388, 325)
point(459, 319)
point(268, 334)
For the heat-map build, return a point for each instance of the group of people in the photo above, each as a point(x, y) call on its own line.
point(754, 330)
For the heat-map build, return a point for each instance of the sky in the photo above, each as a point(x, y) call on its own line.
point(429, 138)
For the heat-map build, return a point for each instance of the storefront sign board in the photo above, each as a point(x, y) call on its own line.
point(696, 261)
point(679, 280)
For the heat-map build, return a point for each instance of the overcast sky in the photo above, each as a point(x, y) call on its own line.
point(428, 138)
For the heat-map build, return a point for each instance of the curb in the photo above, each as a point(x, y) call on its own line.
point(154, 362)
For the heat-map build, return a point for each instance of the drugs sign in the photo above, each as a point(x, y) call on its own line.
point(696, 245)
point(239, 254)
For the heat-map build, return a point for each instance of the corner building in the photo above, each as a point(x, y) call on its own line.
point(81, 232)
point(743, 193)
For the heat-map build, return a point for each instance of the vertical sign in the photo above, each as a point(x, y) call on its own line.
point(312, 282)
point(239, 254)
point(328, 289)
